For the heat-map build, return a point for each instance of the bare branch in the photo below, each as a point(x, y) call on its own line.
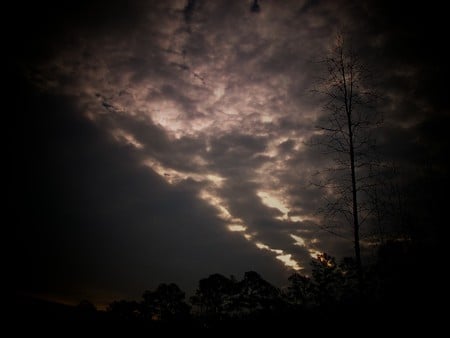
point(347, 137)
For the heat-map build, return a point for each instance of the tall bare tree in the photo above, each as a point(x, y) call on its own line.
point(346, 131)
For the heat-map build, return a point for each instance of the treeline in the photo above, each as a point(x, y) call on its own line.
point(391, 286)
point(403, 281)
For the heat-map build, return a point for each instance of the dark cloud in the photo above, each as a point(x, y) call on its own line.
point(244, 202)
point(98, 223)
point(149, 127)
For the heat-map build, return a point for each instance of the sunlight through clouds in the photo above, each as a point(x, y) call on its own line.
point(289, 262)
point(285, 258)
point(237, 227)
point(122, 135)
point(298, 240)
point(273, 202)
point(234, 224)
point(178, 138)
point(199, 102)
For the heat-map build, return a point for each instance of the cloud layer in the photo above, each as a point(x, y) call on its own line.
point(176, 137)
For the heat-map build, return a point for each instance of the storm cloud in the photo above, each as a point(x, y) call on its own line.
point(167, 140)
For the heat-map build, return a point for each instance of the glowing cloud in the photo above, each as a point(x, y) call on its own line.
point(237, 228)
point(314, 253)
point(298, 240)
point(289, 262)
point(273, 202)
point(285, 258)
point(124, 137)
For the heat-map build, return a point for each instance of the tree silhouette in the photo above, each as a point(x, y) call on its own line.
point(330, 295)
point(215, 296)
point(166, 303)
point(86, 310)
point(300, 291)
point(256, 294)
point(328, 280)
point(124, 310)
point(346, 131)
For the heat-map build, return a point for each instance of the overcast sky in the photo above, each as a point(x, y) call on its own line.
point(165, 140)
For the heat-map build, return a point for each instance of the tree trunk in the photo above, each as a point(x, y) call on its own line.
point(355, 211)
point(348, 98)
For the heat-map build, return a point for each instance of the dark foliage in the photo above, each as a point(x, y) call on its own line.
point(394, 292)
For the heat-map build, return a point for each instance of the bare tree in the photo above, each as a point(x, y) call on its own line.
point(346, 133)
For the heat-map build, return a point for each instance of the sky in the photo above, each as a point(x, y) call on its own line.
point(163, 141)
